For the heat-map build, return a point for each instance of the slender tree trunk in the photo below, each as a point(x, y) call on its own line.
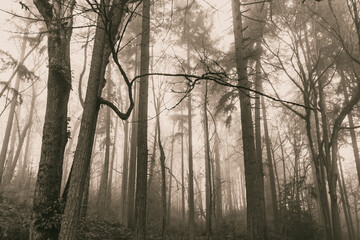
point(182, 173)
point(103, 189)
point(352, 130)
point(170, 177)
point(125, 171)
point(163, 175)
point(141, 179)
point(332, 180)
point(256, 220)
point(270, 166)
point(153, 156)
point(191, 217)
point(218, 181)
point(111, 170)
point(208, 187)
point(346, 206)
point(133, 156)
point(9, 124)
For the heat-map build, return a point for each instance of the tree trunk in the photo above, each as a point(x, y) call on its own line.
point(103, 189)
point(182, 173)
point(82, 157)
point(170, 177)
point(125, 171)
point(218, 181)
point(191, 217)
point(133, 156)
point(346, 205)
point(9, 124)
point(141, 179)
point(208, 198)
point(352, 131)
point(271, 169)
point(163, 176)
point(256, 220)
point(55, 136)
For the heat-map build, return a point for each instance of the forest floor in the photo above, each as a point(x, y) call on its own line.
point(15, 209)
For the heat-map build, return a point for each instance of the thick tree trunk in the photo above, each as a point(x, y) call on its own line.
point(256, 220)
point(141, 178)
point(54, 138)
point(82, 158)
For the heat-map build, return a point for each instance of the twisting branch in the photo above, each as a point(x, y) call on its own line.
point(123, 116)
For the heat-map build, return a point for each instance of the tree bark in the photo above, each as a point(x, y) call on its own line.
point(256, 220)
point(82, 157)
point(141, 178)
point(55, 136)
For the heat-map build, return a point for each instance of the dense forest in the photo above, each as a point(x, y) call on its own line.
point(180, 119)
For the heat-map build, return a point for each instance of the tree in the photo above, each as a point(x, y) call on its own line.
point(256, 222)
point(141, 176)
point(58, 20)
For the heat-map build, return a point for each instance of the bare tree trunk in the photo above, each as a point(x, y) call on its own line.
point(141, 179)
point(103, 189)
point(218, 181)
point(182, 173)
point(82, 157)
point(9, 124)
point(125, 171)
point(256, 220)
point(271, 169)
point(163, 176)
point(133, 156)
point(352, 130)
point(55, 136)
point(170, 177)
point(346, 205)
point(191, 217)
point(111, 170)
point(208, 187)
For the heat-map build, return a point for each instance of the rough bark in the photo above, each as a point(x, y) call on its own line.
point(142, 152)
point(256, 221)
point(54, 138)
point(82, 157)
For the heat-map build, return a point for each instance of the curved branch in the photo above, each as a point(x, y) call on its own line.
point(123, 116)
